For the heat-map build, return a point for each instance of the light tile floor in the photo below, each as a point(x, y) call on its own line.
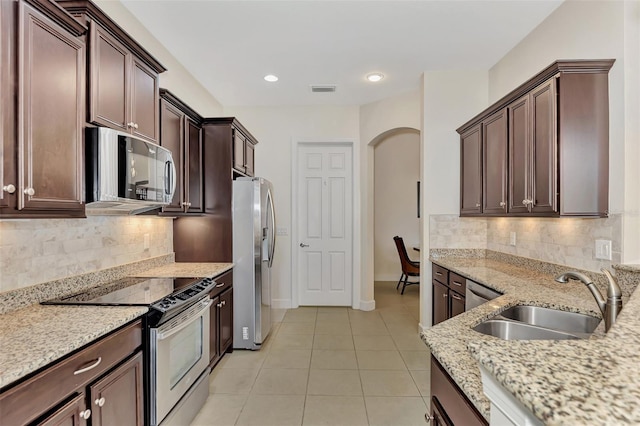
point(329, 366)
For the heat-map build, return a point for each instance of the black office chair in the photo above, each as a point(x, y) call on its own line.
point(409, 267)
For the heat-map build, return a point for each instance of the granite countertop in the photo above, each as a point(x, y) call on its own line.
point(561, 382)
point(187, 270)
point(35, 336)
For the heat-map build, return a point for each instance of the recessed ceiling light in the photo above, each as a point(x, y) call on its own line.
point(374, 77)
point(271, 78)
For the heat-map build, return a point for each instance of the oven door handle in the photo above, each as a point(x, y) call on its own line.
point(172, 331)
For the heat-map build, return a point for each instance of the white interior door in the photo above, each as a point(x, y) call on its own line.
point(325, 217)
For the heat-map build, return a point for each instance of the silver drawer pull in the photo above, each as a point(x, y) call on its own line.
point(459, 284)
point(438, 273)
point(455, 296)
point(90, 367)
point(220, 285)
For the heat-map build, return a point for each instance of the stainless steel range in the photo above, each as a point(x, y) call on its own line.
point(177, 340)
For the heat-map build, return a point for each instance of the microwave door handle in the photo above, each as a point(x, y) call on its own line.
point(168, 177)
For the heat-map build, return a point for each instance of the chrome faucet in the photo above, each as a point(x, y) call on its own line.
point(609, 308)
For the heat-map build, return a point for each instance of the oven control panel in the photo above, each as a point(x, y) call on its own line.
point(184, 297)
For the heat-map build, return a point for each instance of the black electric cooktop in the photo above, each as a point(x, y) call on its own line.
point(164, 296)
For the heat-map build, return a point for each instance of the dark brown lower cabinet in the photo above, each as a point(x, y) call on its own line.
point(448, 294)
point(449, 405)
point(440, 302)
point(221, 319)
point(100, 384)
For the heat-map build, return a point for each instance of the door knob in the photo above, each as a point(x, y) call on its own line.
point(303, 245)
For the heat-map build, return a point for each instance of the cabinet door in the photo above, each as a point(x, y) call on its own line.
point(8, 177)
point(457, 304)
point(471, 172)
point(69, 414)
point(494, 170)
point(439, 416)
point(171, 137)
point(214, 343)
point(239, 143)
point(51, 117)
point(226, 320)
point(519, 155)
point(144, 101)
point(249, 158)
point(544, 158)
point(117, 398)
point(193, 167)
point(440, 302)
point(109, 82)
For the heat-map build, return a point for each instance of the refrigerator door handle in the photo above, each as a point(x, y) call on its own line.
point(272, 242)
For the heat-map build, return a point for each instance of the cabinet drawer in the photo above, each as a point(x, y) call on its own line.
point(457, 408)
point(223, 282)
point(40, 393)
point(457, 283)
point(439, 274)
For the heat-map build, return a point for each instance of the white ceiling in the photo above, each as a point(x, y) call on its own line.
point(229, 46)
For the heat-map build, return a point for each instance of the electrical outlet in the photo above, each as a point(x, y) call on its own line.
point(512, 238)
point(282, 231)
point(146, 242)
point(603, 249)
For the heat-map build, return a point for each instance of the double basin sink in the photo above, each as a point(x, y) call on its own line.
point(525, 322)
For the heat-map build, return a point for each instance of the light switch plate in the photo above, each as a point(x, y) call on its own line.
point(603, 249)
point(282, 231)
point(512, 238)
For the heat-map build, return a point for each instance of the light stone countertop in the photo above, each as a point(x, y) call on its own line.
point(567, 382)
point(35, 336)
point(186, 270)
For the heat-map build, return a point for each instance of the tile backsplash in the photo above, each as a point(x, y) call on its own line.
point(565, 241)
point(36, 251)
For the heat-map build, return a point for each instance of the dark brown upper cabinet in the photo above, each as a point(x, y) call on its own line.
point(471, 171)
point(123, 82)
point(494, 170)
point(545, 146)
point(243, 153)
point(42, 109)
point(181, 132)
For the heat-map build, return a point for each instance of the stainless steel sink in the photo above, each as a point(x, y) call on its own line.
point(571, 322)
point(536, 323)
point(511, 330)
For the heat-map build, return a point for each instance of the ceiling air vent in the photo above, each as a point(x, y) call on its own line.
point(325, 88)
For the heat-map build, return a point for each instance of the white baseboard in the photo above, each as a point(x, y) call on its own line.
point(281, 303)
point(422, 328)
point(367, 305)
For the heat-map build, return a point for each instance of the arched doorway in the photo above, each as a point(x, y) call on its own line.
point(396, 174)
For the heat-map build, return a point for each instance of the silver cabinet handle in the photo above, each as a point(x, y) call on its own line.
point(135, 125)
point(455, 296)
point(9, 188)
point(444, 296)
point(303, 245)
point(30, 192)
point(428, 418)
point(219, 305)
point(85, 414)
point(224, 302)
point(90, 367)
point(220, 285)
point(459, 284)
point(477, 204)
point(100, 402)
point(502, 204)
point(130, 124)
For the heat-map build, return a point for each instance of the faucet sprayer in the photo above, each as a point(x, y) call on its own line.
point(611, 307)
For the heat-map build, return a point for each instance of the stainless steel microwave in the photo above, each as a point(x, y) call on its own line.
point(126, 175)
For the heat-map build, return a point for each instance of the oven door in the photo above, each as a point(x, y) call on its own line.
point(179, 354)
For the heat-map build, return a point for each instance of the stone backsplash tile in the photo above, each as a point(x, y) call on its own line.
point(37, 251)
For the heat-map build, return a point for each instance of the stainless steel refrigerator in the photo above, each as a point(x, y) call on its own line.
point(254, 238)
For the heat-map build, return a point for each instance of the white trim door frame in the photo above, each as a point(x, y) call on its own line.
point(297, 144)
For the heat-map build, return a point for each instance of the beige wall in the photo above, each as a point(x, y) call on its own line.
point(396, 170)
point(37, 251)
